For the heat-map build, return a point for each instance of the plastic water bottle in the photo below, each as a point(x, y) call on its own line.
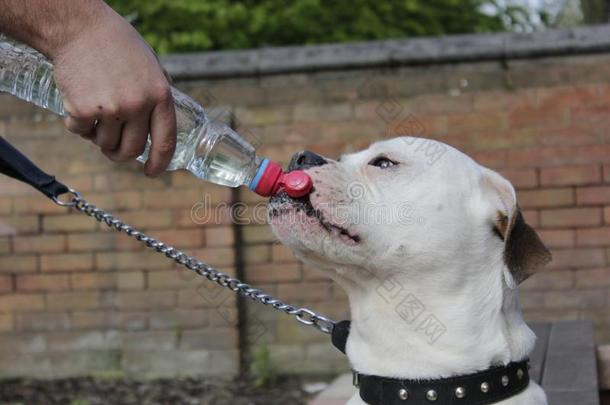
point(210, 150)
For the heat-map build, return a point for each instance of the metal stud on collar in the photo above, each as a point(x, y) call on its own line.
point(431, 395)
point(485, 387)
point(403, 394)
point(460, 392)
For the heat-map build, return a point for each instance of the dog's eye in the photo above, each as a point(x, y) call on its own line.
point(382, 162)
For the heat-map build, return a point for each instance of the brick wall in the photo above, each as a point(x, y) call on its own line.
point(79, 299)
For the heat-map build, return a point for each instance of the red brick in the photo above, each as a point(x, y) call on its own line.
point(554, 218)
point(577, 258)
point(606, 170)
point(593, 195)
point(147, 300)
point(559, 156)
point(148, 260)
point(91, 242)
point(567, 96)
point(593, 278)
point(178, 319)
point(149, 340)
point(172, 199)
point(551, 197)
point(206, 295)
point(312, 274)
point(36, 204)
point(43, 322)
point(257, 254)
point(6, 323)
point(73, 301)
point(6, 284)
point(216, 256)
point(149, 219)
point(82, 341)
point(304, 291)
point(126, 181)
point(93, 281)
point(94, 319)
point(281, 254)
point(521, 178)
point(496, 100)
point(538, 117)
point(18, 264)
point(219, 236)
point(593, 236)
point(68, 223)
point(125, 200)
point(21, 302)
point(184, 238)
point(558, 238)
point(67, 262)
point(5, 245)
point(435, 103)
point(269, 273)
point(171, 279)
point(549, 280)
point(476, 122)
point(571, 175)
point(258, 234)
point(494, 159)
point(19, 225)
point(218, 339)
point(532, 217)
point(42, 282)
point(133, 280)
point(6, 205)
point(39, 244)
point(131, 321)
point(576, 299)
point(201, 214)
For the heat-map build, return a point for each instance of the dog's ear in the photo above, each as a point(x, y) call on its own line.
point(524, 252)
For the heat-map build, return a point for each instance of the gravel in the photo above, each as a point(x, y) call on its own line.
point(189, 391)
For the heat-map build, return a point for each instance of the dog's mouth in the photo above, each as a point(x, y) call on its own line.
point(282, 204)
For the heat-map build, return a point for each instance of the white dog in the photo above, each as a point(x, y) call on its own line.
point(430, 248)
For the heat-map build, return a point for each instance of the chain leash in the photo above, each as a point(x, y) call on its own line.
point(302, 315)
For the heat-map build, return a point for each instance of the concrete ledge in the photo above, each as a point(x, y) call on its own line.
point(338, 392)
point(456, 48)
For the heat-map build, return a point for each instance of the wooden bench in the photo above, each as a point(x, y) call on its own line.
point(563, 363)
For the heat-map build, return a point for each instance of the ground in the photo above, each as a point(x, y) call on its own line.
point(88, 391)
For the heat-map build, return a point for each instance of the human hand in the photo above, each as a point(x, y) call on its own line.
point(115, 91)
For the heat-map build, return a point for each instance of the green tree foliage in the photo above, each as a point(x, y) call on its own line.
point(196, 25)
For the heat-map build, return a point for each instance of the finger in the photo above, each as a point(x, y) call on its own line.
point(162, 135)
point(79, 126)
point(108, 134)
point(133, 139)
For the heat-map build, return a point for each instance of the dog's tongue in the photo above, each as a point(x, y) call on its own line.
point(271, 179)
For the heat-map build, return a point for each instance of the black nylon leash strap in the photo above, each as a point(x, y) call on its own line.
point(481, 388)
point(15, 164)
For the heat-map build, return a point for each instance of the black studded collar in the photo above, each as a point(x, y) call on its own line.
point(481, 388)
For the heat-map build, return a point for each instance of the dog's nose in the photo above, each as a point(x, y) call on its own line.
point(304, 160)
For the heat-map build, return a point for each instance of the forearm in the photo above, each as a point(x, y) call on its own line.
point(48, 24)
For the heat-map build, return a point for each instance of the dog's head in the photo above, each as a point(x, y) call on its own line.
point(408, 205)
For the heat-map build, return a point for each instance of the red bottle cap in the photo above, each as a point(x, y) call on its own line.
point(270, 179)
point(297, 183)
